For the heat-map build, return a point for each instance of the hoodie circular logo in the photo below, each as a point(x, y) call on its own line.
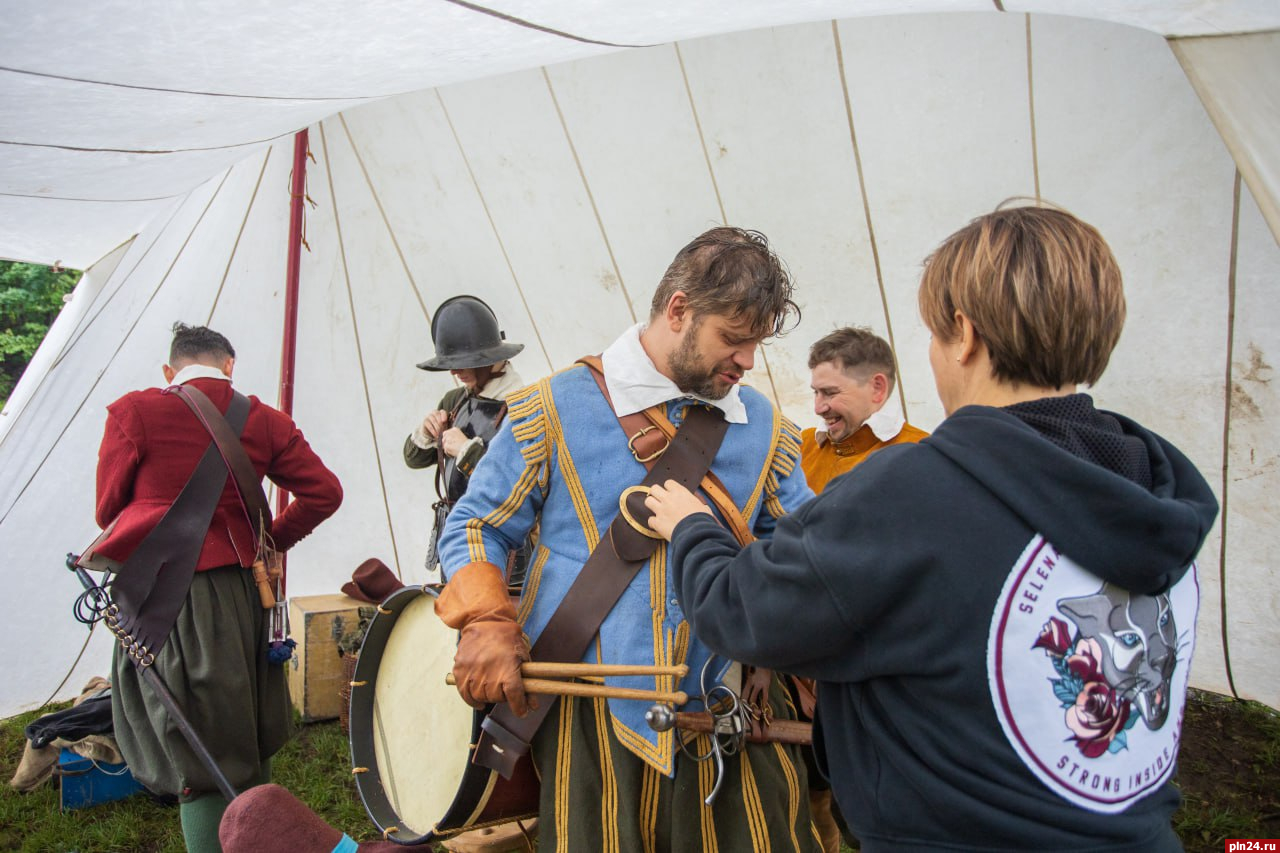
point(1089, 681)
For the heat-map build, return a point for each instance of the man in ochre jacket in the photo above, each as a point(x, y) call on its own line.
point(852, 375)
point(215, 660)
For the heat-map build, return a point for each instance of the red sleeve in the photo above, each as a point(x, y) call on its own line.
point(297, 469)
point(118, 459)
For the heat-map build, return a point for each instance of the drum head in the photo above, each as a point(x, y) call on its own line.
point(411, 734)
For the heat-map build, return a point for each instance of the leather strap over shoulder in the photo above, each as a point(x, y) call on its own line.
point(649, 433)
point(603, 579)
point(248, 483)
point(146, 600)
point(646, 441)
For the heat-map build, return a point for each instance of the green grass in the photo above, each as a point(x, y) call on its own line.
point(1229, 773)
point(314, 766)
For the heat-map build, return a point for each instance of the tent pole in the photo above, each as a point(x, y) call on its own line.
point(297, 195)
point(289, 338)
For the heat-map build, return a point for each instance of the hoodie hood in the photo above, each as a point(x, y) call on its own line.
point(1141, 539)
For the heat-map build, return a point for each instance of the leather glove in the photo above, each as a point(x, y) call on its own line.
point(487, 665)
point(492, 646)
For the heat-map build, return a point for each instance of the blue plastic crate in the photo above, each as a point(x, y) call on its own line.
point(86, 782)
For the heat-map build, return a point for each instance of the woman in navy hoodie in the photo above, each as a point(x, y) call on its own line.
point(1001, 617)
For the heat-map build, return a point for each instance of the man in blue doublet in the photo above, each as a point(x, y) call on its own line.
point(608, 780)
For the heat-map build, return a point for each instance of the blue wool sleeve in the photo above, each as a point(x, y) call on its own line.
point(505, 493)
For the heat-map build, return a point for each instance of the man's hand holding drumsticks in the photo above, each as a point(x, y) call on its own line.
point(491, 646)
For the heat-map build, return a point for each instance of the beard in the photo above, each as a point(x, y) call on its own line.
point(692, 376)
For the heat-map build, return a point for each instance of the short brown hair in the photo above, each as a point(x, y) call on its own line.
point(1041, 288)
point(195, 343)
point(855, 350)
point(730, 272)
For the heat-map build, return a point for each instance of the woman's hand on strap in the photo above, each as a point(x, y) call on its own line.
point(671, 503)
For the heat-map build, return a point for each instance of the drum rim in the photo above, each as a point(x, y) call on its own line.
point(360, 738)
point(477, 782)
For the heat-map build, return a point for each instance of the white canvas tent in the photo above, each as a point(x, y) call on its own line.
point(550, 157)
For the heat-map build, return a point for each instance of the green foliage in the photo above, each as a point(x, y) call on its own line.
point(30, 299)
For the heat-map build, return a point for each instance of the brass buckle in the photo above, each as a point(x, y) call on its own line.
point(631, 444)
point(642, 529)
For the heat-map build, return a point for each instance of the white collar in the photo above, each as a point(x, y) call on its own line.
point(198, 371)
point(635, 384)
point(499, 387)
point(885, 423)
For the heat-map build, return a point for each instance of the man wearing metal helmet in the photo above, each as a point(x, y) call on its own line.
point(454, 437)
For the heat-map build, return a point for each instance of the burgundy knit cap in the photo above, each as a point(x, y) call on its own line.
point(269, 819)
point(372, 581)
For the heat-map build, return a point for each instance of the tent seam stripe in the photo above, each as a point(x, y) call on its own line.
point(114, 293)
point(74, 338)
point(83, 150)
point(86, 321)
point(866, 210)
point(355, 329)
point(120, 346)
point(1215, 35)
point(83, 648)
point(1226, 432)
point(113, 85)
point(715, 185)
point(377, 200)
point(512, 19)
point(493, 225)
point(702, 140)
point(1031, 112)
point(586, 186)
point(235, 246)
point(92, 200)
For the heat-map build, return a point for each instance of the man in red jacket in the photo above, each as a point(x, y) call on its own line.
point(215, 660)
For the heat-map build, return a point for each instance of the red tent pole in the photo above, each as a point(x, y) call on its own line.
point(289, 345)
point(297, 195)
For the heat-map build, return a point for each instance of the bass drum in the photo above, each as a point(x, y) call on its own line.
point(412, 736)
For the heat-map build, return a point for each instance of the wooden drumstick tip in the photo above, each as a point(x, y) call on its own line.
point(552, 687)
point(553, 669)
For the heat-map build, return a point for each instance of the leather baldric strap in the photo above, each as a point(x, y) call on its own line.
point(442, 485)
point(616, 559)
point(248, 483)
point(648, 433)
point(152, 584)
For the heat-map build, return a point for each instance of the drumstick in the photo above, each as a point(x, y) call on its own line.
point(551, 687)
point(550, 669)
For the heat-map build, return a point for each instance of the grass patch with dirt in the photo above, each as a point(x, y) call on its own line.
point(314, 766)
point(1229, 773)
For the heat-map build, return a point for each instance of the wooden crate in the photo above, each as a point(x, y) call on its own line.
point(317, 622)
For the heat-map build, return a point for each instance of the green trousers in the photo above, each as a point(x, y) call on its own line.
point(599, 797)
point(215, 665)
